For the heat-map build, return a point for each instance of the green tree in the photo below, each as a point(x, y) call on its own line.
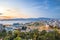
point(17, 32)
point(4, 33)
point(17, 38)
point(6, 38)
point(50, 36)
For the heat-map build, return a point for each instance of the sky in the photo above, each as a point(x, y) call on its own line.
point(30, 8)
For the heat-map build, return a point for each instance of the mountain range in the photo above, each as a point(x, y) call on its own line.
point(7, 18)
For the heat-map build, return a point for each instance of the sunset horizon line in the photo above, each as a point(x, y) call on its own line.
point(11, 17)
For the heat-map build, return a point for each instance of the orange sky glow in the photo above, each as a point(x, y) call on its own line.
point(11, 13)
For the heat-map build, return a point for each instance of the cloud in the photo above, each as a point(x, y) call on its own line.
point(42, 5)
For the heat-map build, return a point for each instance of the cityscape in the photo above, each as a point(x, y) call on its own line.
point(29, 19)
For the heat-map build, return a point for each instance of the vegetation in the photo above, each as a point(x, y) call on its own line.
point(32, 35)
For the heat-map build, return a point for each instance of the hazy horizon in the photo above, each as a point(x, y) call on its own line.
point(29, 8)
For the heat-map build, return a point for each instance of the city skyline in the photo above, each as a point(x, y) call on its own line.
point(30, 8)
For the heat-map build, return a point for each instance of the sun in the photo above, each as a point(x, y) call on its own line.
point(2, 9)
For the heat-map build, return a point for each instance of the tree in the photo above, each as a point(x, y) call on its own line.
point(4, 33)
point(57, 35)
point(50, 36)
point(17, 32)
point(6, 38)
point(17, 38)
point(43, 32)
point(22, 35)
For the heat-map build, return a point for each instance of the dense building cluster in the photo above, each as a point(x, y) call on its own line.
point(39, 30)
